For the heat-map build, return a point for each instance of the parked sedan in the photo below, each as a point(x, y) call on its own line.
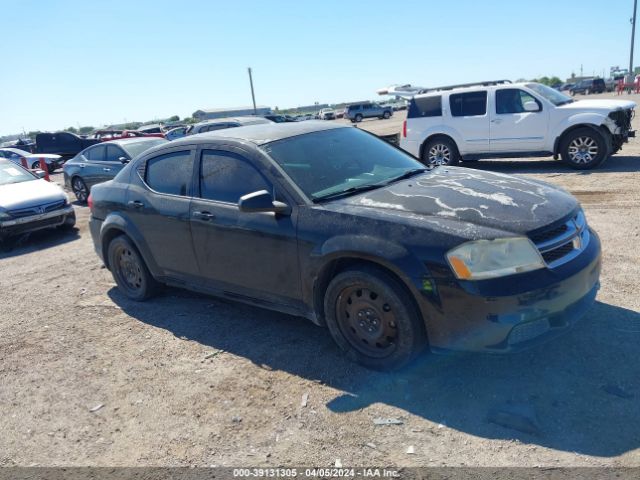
point(29, 203)
point(33, 159)
point(333, 224)
point(102, 162)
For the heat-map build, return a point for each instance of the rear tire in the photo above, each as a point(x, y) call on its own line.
point(80, 190)
point(373, 319)
point(584, 148)
point(129, 270)
point(440, 151)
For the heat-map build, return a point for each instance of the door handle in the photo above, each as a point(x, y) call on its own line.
point(496, 120)
point(106, 169)
point(81, 165)
point(206, 216)
point(135, 203)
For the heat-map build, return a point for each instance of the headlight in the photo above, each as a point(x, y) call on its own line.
point(484, 259)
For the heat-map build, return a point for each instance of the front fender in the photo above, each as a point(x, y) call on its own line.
point(592, 120)
point(118, 223)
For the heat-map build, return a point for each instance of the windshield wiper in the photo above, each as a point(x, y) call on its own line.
point(405, 175)
point(369, 186)
point(348, 191)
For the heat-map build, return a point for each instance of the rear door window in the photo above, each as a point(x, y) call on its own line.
point(170, 173)
point(96, 154)
point(471, 104)
point(114, 153)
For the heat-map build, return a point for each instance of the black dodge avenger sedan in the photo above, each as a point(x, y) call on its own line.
point(333, 224)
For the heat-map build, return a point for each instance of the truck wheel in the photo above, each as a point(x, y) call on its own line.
point(440, 151)
point(584, 148)
point(358, 118)
point(373, 319)
point(386, 115)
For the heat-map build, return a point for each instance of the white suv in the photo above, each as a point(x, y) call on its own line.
point(503, 119)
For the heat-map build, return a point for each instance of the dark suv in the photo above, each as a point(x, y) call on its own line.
point(359, 111)
point(331, 223)
point(585, 87)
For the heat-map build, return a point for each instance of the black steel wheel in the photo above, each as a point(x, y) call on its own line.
point(373, 319)
point(129, 270)
point(80, 189)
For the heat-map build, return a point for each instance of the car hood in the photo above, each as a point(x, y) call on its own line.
point(600, 104)
point(29, 194)
point(486, 199)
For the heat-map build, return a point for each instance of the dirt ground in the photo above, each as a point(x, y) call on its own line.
point(88, 378)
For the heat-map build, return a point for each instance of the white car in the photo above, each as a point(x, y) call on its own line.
point(29, 203)
point(327, 114)
point(503, 119)
point(33, 159)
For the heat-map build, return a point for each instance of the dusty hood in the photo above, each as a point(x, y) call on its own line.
point(599, 104)
point(488, 199)
point(29, 194)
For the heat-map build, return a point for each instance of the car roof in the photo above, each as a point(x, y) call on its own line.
point(472, 88)
point(119, 141)
point(240, 120)
point(262, 133)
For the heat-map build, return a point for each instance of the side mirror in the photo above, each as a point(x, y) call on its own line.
point(262, 201)
point(124, 160)
point(531, 106)
point(40, 173)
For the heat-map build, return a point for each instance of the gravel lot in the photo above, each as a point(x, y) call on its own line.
point(89, 378)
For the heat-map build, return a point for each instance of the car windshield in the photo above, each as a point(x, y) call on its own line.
point(340, 161)
point(10, 173)
point(551, 94)
point(136, 148)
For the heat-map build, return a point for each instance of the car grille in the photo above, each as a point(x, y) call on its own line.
point(37, 210)
point(561, 243)
point(528, 331)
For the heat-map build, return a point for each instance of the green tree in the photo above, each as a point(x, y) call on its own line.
point(175, 118)
point(71, 129)
point(85, 130)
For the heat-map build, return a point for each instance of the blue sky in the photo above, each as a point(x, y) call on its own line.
point(69, 63)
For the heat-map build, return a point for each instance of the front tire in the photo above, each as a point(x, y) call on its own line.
point(358, 118)
point(373, 319)
point(584, 148)
point(440, 151)
point(386, 115)
point(129, 270)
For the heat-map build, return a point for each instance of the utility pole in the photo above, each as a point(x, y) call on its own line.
point(253, 96)
point(633, 36)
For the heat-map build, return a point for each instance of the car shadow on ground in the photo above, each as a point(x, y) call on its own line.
point(615, 164)
point(582, 387)
point(35, 241)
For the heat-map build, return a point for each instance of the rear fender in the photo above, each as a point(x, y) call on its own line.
point(115, 224)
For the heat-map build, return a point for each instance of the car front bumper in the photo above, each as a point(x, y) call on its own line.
point(523, 311)
point(33, 223)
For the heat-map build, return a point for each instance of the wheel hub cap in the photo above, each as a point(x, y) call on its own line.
point(583, 150)
point(439, 155)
